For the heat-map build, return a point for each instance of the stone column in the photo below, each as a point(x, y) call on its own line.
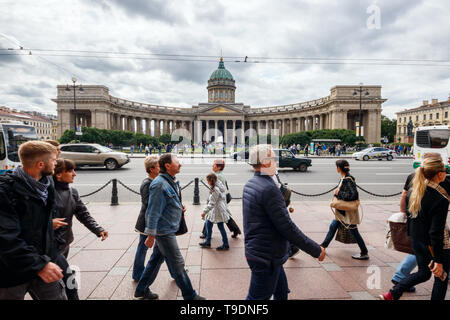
point(233, 130)
point(216, 130)
point(207, 131)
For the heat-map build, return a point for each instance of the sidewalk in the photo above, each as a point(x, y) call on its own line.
point(106, 266)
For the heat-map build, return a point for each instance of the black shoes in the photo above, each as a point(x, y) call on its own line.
point(205, 245)
point(148, 295)
point(203, 236)
point(411, 289)
point(222, 248)
point(197, 297)
point(360, 256)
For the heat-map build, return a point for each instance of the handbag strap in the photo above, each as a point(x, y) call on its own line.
point(438, 188)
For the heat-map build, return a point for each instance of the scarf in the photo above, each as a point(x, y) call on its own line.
point(41, 186)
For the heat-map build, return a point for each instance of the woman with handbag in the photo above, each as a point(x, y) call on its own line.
point(346, 196)
point(427, 216)
point(216, 212)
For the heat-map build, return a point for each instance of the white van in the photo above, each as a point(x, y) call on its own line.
point(432, 139)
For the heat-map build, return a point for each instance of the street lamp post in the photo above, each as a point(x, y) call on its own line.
point(80, 88)
point(355, 92)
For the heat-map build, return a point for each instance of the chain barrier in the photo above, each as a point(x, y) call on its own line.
point(380, 195)
point(98, 190)
point(313, 195)
point(206, 186)
point(128, 188)
point(187, 185)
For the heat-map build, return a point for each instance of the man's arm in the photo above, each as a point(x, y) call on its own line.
point(156, 205)
point(83, 215)
point(276, 210)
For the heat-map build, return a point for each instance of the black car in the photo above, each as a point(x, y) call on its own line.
point(287, 160)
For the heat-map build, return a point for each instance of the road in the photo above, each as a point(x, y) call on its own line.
point(380, 177)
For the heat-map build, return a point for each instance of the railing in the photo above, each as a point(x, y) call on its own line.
point(197, 181)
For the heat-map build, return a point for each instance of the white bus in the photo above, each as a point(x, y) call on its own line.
point(432, 139)
point(12, 135)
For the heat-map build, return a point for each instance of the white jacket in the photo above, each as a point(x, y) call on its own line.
point(216, 208)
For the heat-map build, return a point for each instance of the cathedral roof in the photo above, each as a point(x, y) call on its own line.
point(221, 73)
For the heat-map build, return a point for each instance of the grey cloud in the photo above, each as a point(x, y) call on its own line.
point(24, 91)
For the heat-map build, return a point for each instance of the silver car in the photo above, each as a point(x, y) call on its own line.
point(374, 153)
point(92, 154)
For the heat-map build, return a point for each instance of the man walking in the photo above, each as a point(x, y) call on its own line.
point(28, 250)
point(268, 229)
point(162, 221)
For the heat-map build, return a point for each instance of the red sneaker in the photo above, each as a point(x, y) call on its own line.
point(386, 296)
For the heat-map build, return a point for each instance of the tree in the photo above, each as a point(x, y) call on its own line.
point(388, 128)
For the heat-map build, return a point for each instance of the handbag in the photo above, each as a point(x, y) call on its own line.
point(343, 235)
point(400, 239)
point(182, 228)
point(228, 195)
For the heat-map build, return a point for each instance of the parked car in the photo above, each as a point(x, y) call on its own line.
point(287, 160)
point(241, 155)
point(92, 154)
point(374, 153)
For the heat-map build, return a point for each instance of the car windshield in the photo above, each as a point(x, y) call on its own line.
point(367, 150)
point(103, 149)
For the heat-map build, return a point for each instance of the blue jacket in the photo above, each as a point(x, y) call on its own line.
point(268, 229)
point(164, 209)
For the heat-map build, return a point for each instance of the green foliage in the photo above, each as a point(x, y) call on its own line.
point(165, 138)
point(388, 128)
point(103, 137)
point(346, 136)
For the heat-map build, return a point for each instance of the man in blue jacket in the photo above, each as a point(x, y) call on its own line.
point(268, 229)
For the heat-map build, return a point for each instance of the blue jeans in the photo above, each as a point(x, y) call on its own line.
point(404, 269)
point(139, 258)
point(423, 257)
point(209, 226)
point(267, 280)
point(166, 248)
point(353, 231)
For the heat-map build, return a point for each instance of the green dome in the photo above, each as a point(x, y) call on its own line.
point(221, 73)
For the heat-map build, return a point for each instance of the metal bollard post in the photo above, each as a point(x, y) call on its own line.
point(196, 193)
point(114, 197)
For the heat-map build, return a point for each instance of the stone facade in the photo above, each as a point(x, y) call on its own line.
point(222, 116)
point(434, 114)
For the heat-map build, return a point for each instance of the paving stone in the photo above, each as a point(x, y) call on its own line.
point(361, 295)
point(118, 271)
point(96, 260)
point(331, 267)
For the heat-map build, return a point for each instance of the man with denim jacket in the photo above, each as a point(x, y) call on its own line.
point(162, 220)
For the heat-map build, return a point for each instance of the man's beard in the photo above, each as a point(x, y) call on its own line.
point(47, 171)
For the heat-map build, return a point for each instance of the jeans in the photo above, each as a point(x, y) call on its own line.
point(404, 269)
point(139, 258)
point(38, 289)
point(166, 248)
point(209, 226)
point(353, 231)
point(423, 257)
point(267, 281)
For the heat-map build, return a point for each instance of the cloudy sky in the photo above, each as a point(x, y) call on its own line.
point(119, 44)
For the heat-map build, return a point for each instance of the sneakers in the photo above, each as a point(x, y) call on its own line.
point(197, 297)
point(205, 245)
point(148, 295)
point(293, 252)
point(222, 248)
point(385, 296)
point(360, 256)
point(411, 289)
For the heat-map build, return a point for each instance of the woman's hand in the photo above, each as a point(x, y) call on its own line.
point(336, 191)
point(58, 223)
point(437, 270)
point(203, 215)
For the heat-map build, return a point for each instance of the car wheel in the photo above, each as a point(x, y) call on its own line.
point(365, 158)
point(389, 158)
point(111, 164)
point(303, 167)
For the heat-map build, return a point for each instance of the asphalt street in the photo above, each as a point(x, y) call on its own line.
point(380, 177)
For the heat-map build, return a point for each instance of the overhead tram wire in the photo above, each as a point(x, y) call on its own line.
point(227, 57)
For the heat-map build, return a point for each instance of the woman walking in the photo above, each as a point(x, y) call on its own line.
point(346, 191)
point(426, 225)
point(216, 212)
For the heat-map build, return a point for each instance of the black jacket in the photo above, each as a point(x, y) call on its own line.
point(348, 190)
point(268, 229)
point(27, 241)
point(145, 191)
point(428, 226)
point(69, 204)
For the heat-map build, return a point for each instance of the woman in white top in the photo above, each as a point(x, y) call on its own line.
point(216, 212)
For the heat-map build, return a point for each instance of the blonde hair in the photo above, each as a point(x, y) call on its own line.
point(150, 162)
point(33, 151)
point(429, 169)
